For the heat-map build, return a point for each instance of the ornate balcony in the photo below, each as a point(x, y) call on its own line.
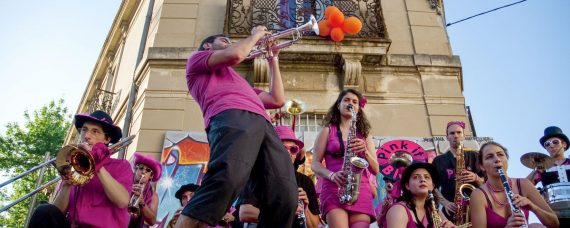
point(277, 15)
point(102, 100)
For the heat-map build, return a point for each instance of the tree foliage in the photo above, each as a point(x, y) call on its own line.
point(22, 148)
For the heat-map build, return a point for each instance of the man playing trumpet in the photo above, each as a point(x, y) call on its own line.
point(144, 200)
point(243, 143)
point(103, 200)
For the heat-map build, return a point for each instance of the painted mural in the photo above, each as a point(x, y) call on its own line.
point(184, 158)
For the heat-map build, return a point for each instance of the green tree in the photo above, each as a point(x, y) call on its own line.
point(22, 148)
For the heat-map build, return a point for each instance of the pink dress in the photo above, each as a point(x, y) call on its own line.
point(329, 193)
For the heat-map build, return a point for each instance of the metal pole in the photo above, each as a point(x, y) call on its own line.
point(26, 173)
point(29, 194)
point(38, 184)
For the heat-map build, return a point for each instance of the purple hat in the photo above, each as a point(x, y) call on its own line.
point(113, 131)
point(151, 163)
point(286, 133)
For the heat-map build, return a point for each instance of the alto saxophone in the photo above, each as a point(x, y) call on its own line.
point(352, 166)
point(461, 198)
point(437, 221)
point(509, 192)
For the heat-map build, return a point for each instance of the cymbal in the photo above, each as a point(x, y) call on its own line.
point(537, 160)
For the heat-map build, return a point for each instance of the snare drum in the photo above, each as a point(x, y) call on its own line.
point(557, 195)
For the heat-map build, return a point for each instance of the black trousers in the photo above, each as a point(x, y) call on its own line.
point(244, 146)
point(48, 215)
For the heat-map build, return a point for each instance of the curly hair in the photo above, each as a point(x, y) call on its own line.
point(333, 115)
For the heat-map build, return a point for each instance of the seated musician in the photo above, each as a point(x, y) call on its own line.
point(555, 142)
point(414, 208)
point(248, 211)
point(146, 170)
point(184, 194)
point(101, 202)
point(489, 204)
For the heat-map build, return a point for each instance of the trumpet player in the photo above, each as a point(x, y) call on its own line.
point(307, 214)
point(415, 208)
point(446, 166)
point(242, 139)
point(491, 203)
point(329, 146)
point(144, 200)
point(101, 202)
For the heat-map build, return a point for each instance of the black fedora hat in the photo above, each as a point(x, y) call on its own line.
point(185, 188)
point(417, 165)
point(554, 131)
point(113, 131)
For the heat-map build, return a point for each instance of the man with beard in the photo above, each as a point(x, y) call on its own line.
point(243, 144)
point(446, 165)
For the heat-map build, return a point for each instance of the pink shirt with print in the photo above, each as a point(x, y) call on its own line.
point(221, 89)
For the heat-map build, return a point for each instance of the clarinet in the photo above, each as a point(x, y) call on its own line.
point(302, 218)
point(509, 192)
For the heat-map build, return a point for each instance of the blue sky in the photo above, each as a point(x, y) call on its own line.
point(514, 60)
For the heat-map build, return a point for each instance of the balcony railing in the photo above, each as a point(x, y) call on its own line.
point(277, 15)
point(102, 100)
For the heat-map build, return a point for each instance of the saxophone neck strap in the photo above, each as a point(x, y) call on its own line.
point(340, 141)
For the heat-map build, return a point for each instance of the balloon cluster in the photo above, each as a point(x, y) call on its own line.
point(336, 25)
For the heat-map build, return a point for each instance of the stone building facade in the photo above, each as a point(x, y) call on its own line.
point(402, 61)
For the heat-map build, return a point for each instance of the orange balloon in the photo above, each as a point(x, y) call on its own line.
point(336, 19)
point(329, 10)
point(352, 25)
point(324, 29)
point(337, 34)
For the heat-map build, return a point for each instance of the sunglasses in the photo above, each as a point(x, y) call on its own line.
point(292, 149)
point(554, 142)
point(140, 167)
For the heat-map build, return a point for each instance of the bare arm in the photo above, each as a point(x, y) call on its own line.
point(477, 213)
point(397, 217)
point(275, 98)
point(248, 213)
point(62, 199)
point(149, 211)
point(320, 145)
point(236, 52)
point(312, 220)
point(537, 204)
point(371, 155)
point(116, 192)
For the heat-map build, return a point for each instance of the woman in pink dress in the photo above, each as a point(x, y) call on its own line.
point(489, 204)
point(328, 147)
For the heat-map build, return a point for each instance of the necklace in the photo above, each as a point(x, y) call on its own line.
point(492, 193)
point(496, 190)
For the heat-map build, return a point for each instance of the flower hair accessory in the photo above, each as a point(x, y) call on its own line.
point(362, 102)
point(460, 123)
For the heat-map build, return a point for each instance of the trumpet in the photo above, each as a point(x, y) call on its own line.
point(134, 209)
point(265, 46)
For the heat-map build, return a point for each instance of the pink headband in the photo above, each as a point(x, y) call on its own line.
point(460, 123)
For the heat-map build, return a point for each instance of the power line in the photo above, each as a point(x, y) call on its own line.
point(476, 15)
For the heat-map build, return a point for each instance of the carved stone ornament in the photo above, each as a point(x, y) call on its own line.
point(352, 69)
point(260, 70)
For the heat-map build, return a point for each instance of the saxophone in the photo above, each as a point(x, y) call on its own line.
point(437, 221)
point(462, 190)
point(352, 167)
point(509, 192)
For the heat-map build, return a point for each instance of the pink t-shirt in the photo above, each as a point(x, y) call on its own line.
point(217, 90)
point(89, 206)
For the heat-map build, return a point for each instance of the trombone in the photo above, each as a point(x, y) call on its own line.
point(265, 46)
point(80, 162)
